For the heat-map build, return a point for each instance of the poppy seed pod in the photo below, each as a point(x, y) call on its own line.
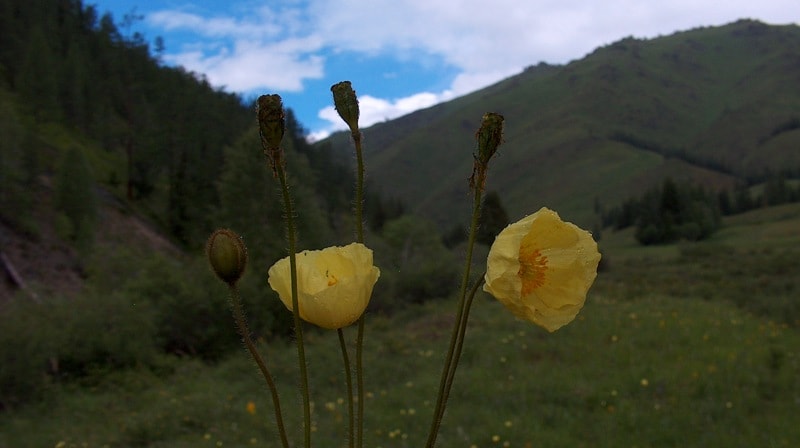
point(227, 255)
point(346, 102)
point(271, 121)
point(489, 136)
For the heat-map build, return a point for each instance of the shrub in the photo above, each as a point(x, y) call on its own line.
point(415, 265)
point(26, 345)
point(75, 199)
point(190, 311)
point(100, 333)
point(70, 339)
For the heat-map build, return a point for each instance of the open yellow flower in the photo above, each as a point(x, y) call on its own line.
point(541, 267)
point(334, 285)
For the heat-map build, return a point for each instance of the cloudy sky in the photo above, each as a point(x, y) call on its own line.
point(402, 55)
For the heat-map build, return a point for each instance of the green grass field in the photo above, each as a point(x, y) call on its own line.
point(678, 346)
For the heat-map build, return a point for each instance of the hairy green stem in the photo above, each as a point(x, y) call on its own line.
point(348, 376)
point(360, 380)
point(298, 327)
point(450, 364)
point(359, 217)
point(359, 201)
point(244, 332)
point(460, 344)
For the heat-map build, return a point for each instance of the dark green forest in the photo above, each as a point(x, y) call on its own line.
point(67, 64)
point(159, 138)
point(101, 140)
point(93, 122)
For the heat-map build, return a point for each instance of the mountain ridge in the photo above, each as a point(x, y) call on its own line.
point(711, 105)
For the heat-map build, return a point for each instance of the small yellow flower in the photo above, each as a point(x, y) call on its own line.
point(334, 285)
point(251, 408)
point(541, 267)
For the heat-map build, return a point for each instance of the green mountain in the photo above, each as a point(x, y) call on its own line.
point(715, 106)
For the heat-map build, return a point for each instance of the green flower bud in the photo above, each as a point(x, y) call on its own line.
point(489, 136)
point(271, 121)
point(227, 255)
point(344, 98)
point(271, 125)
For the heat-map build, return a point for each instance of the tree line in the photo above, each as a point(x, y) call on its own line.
point(672, 211)
point(63, 62)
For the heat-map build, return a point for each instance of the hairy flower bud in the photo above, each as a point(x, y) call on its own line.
point(489, 136)
point(227, 255)
point(272, 126)
point(344, 98)
point(271, 120)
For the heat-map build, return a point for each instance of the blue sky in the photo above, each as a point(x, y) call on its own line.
point(402, 55)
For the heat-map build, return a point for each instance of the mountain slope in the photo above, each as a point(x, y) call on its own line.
point(711, 105)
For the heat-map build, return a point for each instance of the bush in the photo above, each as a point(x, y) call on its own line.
point(673, 212)
point(101, 333)
point(27, 342)
point(70, 338)
point(415, 265)
point(190, 308)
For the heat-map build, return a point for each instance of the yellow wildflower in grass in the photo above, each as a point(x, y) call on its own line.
point(334, 285)
point(541, 267)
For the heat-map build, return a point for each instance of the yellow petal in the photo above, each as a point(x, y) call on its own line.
point(541, 268)
point(334, 284)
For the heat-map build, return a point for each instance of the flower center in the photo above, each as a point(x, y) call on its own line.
point(532, 268)
point(332, 280)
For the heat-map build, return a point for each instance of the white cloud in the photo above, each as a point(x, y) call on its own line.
point(484, 41)
point(374, 110)
point(214, 26)
point(481, 36)
point(248, 65)
point(489, 41)
point(266, 49)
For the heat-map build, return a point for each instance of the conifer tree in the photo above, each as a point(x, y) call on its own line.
point(493, 218)
point(37, 78)
point(76, 200)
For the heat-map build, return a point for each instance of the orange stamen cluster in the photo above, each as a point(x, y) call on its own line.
point(532, 268)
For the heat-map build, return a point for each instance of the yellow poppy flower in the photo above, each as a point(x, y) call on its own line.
point(541, 267)
point(334, 285)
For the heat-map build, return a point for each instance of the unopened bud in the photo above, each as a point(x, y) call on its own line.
point(346, 102)
point(489, 136)
point(227, 255)
point(271, 121)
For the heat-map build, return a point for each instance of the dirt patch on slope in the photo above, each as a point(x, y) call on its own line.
point(43, 266)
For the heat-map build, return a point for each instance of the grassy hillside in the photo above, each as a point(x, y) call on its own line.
point(681, 345)
point(710, 105)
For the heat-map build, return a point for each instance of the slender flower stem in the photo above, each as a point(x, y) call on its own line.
point(348, 376)
point(298, 328)
point(244, 332)
point(359, 217)
point(360, 380)
point(451, 361)
point(359, 201)
point(460, 344)
point(346, 103)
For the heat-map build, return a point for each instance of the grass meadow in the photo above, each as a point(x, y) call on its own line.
point(678, 346)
